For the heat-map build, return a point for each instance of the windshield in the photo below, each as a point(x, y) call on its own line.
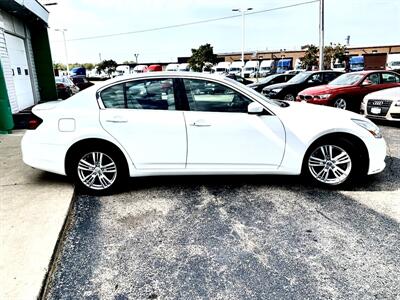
point(234, 69)
point(301, 77)
point(221, 70)
point(265, 69)
point(357, 65)
point(395, 63)
point(267, 79)
point(346, 79)
point(249, 69)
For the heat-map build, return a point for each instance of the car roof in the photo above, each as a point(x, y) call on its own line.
point(364, 72)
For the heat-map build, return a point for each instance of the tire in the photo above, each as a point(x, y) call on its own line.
point(332, 163)
point(97, 170)
point(289, 97)
point(340, 103)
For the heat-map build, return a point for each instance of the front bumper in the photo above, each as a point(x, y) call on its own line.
point(377, 154)
point(380, 109)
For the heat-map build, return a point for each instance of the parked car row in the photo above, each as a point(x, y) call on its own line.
point(70, 85)
point(348, 91)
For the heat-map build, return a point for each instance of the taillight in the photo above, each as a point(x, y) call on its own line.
point(34, 122)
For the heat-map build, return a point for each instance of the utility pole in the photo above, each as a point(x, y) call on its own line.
point(243, 11)
point(136, 57)
point(321, 34)
point(100, 57)
point(65, 47)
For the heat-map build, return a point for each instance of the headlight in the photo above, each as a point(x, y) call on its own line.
point(368, 125)
point(324, 96)
point(397, 103)
point(276, 90)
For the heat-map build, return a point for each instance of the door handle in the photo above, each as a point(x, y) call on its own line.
point(200, 123)
point(117, 119)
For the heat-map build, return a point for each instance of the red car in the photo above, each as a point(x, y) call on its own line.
point(348, 90)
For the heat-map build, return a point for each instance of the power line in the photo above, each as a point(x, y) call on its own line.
point(190, 23)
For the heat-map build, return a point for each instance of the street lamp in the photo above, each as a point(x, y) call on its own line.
point(243, 11)
point(65, 47)
point(321, 34)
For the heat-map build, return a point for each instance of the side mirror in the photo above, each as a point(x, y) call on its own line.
point(366, 83)
point(255, 108)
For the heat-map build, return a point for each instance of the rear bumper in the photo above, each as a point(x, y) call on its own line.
point(43, 156)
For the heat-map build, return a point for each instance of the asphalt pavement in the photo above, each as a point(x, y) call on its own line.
point(235, 237)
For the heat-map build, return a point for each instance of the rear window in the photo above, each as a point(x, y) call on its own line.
point(113, 97)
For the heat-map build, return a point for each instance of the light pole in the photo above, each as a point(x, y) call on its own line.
point(321, 34)
point(243, 11)
point(136, 57)
point(65, 47)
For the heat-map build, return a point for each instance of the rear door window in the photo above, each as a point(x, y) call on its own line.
point(390, 78)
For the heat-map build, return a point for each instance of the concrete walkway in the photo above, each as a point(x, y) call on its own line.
point(33, 207)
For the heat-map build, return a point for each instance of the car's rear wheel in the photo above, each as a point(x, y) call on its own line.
point(331, 163)
point(340, 103)
point(289, 97)
point(97, 171)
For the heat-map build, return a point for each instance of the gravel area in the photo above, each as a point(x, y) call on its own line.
point(235, 237)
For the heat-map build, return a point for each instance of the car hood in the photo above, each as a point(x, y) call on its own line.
point(279, 86)
point(315, 117)
point(386, 94)
point(321, 89)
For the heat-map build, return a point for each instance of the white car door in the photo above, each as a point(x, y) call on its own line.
point(141, 116)
point(223, 136)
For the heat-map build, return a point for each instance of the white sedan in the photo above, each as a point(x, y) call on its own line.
point(173, 124)
point(383, 104)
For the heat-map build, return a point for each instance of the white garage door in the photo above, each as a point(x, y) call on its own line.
point(20, 69)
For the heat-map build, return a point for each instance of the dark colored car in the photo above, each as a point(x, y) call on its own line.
point(269, 80)
point(348, 90)
point(289, 90)
point(239, 79)
point(65, 87)
point(81, 82)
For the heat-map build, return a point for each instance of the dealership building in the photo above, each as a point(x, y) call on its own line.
point(27, 71)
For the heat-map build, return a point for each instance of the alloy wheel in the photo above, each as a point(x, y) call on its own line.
point(340, 103)
point(97, 170)
point(330, 164)
point(289, 97)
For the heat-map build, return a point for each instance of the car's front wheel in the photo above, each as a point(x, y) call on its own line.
point(340, 103)
point(331, 163)
point(289, 97)
point(97, 171)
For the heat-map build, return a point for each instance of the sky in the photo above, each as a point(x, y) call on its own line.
point(368, 22)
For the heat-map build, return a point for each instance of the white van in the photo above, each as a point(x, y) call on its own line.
point(236, 68)
point(222, 67)
point(122, 70)
point(393, 62)
point(172, 67)
point(184, 67)
point(251, 69)
point(140, 69)
point(267, 67)
point(338, 65)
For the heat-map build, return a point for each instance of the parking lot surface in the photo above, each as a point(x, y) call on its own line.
point(235, 237)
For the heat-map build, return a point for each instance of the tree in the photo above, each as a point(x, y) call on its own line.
point(200, 56)
point(59, 66)
point(333, 52)
point(107, 66)
point(310, 58)
point(88, 66)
